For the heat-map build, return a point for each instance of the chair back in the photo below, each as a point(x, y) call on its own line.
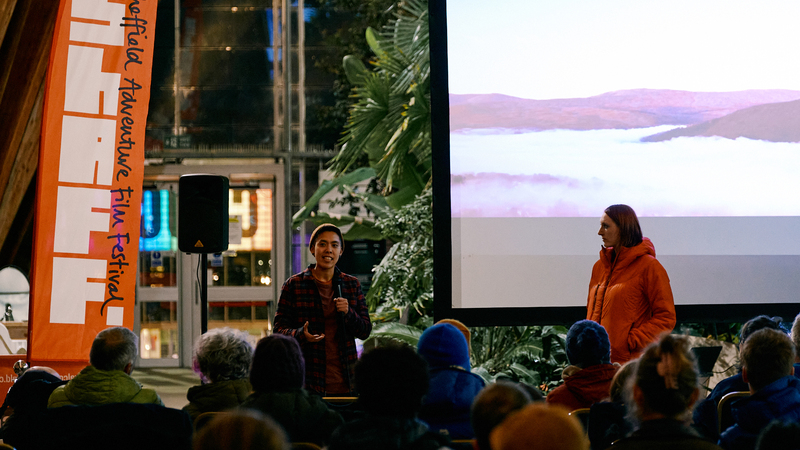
point(724, 416)
point(305, 446)
point(340, 400)
point(582, 414)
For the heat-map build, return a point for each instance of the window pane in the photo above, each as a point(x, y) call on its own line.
point(158, 242)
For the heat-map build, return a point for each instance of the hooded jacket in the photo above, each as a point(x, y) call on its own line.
point(452, 386)
point(777, 400)
point(631, 297)
point(386, 433)
point(583, 387)
point(100, 387)
point(304, 417)
point(217, 396)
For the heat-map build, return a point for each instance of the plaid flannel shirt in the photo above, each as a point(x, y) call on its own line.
point(300, 303)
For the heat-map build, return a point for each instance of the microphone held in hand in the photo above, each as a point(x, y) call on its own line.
point(339, 287)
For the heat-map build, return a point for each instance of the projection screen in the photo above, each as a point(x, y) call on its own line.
point(545, 113)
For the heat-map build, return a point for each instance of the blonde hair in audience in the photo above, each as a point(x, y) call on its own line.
point(542, 427)
point(796, 335)
point(665, 380)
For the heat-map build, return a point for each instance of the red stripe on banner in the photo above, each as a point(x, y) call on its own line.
point(90, 176)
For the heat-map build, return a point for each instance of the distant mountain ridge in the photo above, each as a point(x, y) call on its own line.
point(636, 108)
point(775, 122)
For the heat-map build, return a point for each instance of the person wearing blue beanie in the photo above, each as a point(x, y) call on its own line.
point(453, 387)
point(588, 377)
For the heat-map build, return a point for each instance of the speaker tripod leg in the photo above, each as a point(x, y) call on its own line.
point(204, 293)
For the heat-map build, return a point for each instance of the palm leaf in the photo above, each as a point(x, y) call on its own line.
point(396, 332)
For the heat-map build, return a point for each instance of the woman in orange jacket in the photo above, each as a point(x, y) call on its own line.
point(629, 293)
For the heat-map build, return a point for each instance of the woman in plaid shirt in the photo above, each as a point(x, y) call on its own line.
point(324, 309)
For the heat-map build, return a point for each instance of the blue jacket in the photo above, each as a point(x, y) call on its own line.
point(777, 400)
point(452, 386)
point(705, 413)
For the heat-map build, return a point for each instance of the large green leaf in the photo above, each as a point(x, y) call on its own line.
point(354, 69)
point(326, 186)
point(397, 332)
point(402, 197)
point(373, 41)
point(525, 375)
point(361, 231)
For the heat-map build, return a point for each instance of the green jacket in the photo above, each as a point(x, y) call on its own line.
point(100, 387)
point(218, 396)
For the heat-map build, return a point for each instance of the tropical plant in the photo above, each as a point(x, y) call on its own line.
point(387, 134)
point(340, 25)
point(387, 139)
point(403, 281)
point(535, 355)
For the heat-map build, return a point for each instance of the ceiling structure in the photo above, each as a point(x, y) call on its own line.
point(26, 30)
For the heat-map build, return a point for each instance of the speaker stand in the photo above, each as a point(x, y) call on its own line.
point(204, 293)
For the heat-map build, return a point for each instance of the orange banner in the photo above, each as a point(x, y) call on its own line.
point(90, 177)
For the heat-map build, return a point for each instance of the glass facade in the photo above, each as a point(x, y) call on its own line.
point(219, 83)
point(226, 82)
point(248, 261)
point(158, 268)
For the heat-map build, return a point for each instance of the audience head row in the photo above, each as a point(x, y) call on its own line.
point(223, 354)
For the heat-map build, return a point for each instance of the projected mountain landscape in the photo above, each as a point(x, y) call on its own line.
point(672, 153)
point(638, 108)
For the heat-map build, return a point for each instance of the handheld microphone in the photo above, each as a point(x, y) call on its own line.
point(339, 287)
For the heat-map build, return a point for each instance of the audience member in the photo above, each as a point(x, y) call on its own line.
point(241, 430)
point(587, 378)
point(462, 328)
point(779, 435)
point(26, 398)
point(662, 392)
point(541, 427)
point(277, 377)
point(796, 341)
point(391, 381)
point(533, 391)
point(705, 414)
point(767, 367)
point(107, 379)
point(608, 420)
point(492, 405)
point(446, 407)
point(222, 356)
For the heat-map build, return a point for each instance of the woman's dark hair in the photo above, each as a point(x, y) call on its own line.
point(667, 375)
point(630, 233)
point(391, 380)
point(759, 323)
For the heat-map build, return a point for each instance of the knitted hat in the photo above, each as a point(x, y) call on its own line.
point(587, 344)
point(323, 228)
point(278, 364)
point(443, 345)
point(463, 328)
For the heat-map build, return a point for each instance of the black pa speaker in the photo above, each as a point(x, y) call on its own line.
point(203, 213)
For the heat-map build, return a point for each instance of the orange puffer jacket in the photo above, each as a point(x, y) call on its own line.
point(631, 298)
